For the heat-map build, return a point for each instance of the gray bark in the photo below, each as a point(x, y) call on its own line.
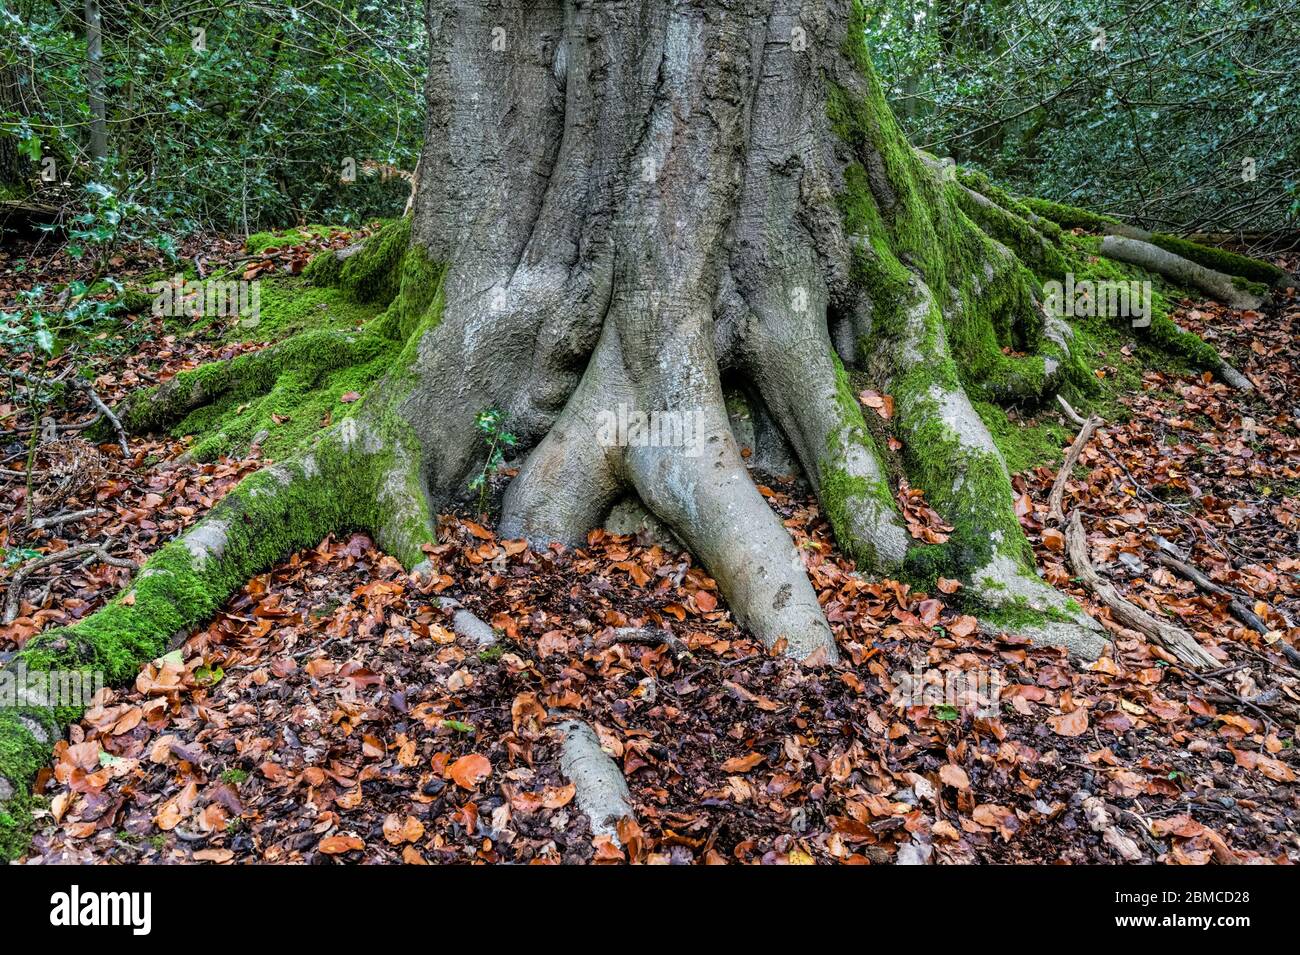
point(1180, 270)
point(634, 200)
point(95, 80)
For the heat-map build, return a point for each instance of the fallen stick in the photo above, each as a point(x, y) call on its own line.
point(14, 595)
point(601, 789)
point(647, 636)
point(1174, 639)
point(1054, 500)
point(1235, 606)
point(88, 390)
point(1070, 413)
point(67, 517)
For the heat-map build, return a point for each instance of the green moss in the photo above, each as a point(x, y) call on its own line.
point(1221, 260)
point(361, 474)
point(21, 757)
point(419, 296)
point(289, 306)
point(1069, 217)
point(1013, 230)
point(373, 273)
point(1016, 616)
point(844, 494)
point(324, 269)
point(259, 242)
point(287, 391)
point(305, 396)
point(1023, 445)
point(1163, 333)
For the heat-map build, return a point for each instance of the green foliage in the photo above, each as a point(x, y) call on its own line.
point(245, 115)
point(1148, 110)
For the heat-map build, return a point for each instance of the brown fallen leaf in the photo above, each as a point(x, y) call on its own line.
point(468, 771)
point(1074, 723)
point(337, 845)
point(953, 775)
point(742, 764)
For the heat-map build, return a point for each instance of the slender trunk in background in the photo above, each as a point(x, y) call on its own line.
point(95, 81)
point(12, 169)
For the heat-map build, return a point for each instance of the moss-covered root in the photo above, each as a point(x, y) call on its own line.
point(245, 376)
point(1234, 292)
point(352, 475)
point(370, 272)
point(1220, 260)
point(805, 388)
point(951, 455)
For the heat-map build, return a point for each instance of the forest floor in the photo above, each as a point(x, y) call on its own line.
point(329, 713)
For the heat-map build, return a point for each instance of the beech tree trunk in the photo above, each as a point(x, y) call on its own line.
point(639, 202)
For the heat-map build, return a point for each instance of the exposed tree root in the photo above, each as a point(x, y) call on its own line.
point(351, 475)
point(682, 195)
point(602, 792)
point(1181, 271)
point(468, 625)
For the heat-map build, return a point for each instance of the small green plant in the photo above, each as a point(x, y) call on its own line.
point(14, 556)
point(496, 438)
point(491, 654)
point(234, 776)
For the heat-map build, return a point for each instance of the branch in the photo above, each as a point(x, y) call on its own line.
point(1054, 508)
point(14, 595)
point(1174, 639)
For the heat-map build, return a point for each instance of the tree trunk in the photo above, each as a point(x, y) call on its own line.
point(95, 81)
point(13, 167)
point(623, 207)
point(641, 201)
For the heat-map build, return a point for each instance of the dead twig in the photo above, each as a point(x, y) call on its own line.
point(67, 517)
point(1075, 418)
point(87, 389)
point(1173, 638)
point(1235, 605)
point(1054, 500)
point(14, 595)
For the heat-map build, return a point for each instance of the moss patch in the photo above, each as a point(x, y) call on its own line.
point(259, 242)
point(1023, 444)
point(307, 383)
point(289, 306)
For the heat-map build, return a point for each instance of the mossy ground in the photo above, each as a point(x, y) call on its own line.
point(259, 242)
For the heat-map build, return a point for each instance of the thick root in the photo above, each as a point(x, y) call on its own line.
point(805, 388)
point(1231, 292)
point(952, 456)
point(695, 482)
point(237, 402)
